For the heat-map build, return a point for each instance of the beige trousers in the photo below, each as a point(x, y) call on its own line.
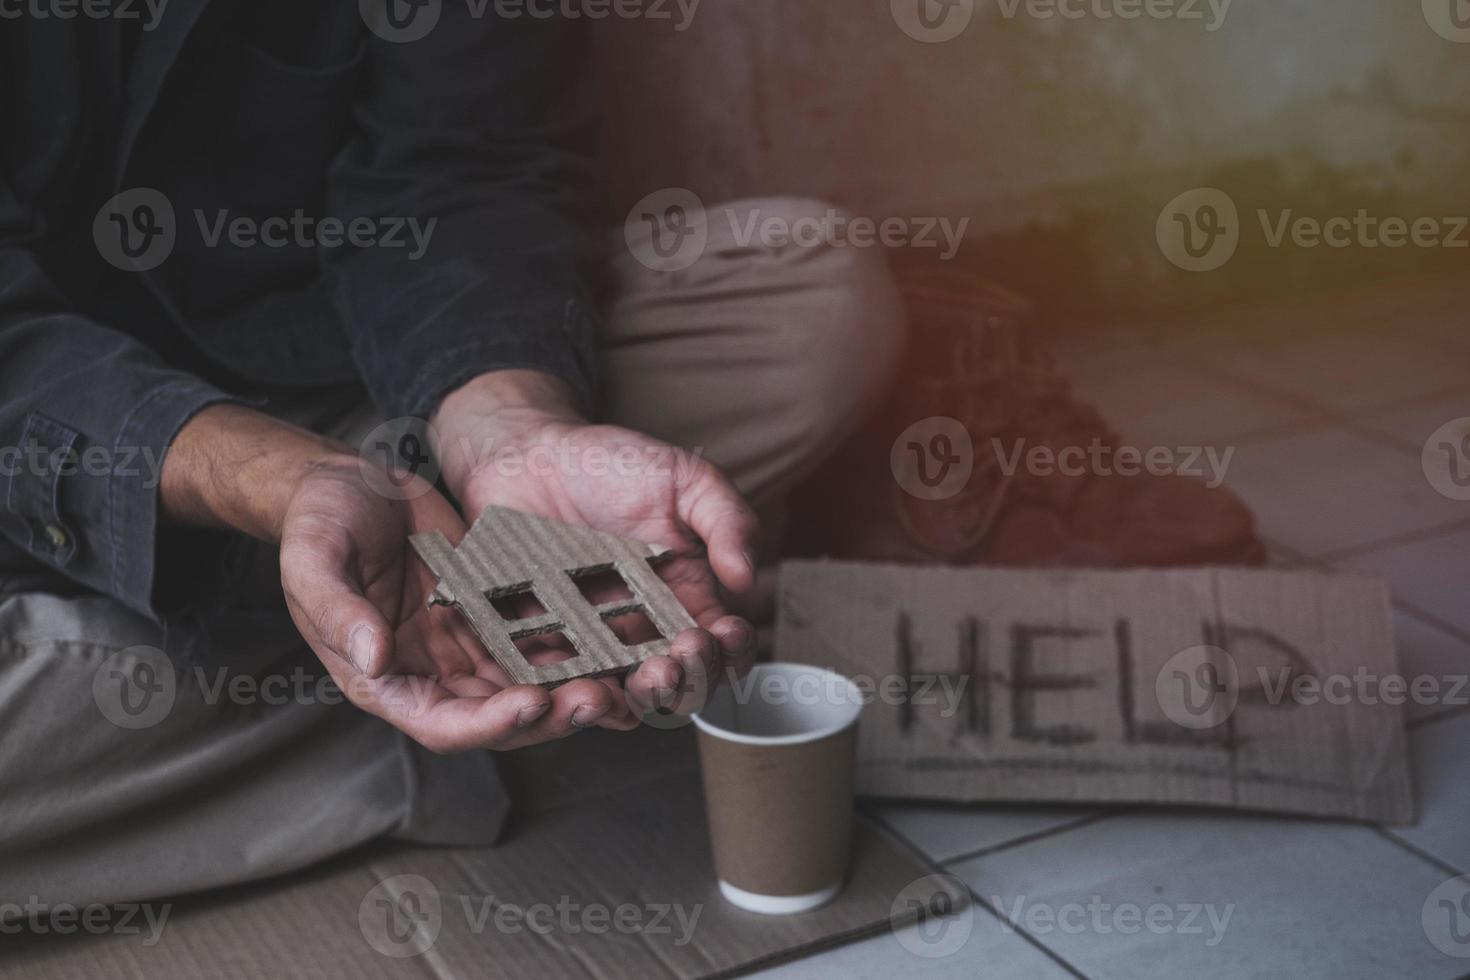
point(141, 760)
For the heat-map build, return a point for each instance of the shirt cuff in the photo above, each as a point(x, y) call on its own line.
point(561, 344)
point(92, 510)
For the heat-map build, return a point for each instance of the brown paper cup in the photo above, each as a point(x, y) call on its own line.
point(778, 750)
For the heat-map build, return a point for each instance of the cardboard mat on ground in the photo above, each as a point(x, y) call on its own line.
point(1261, 690)
point(604, 873)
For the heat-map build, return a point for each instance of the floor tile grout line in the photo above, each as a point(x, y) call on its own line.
point(981, 902)
point(1006, 923)
point(1384, 439)
point(1425, 618)
point(1304, 403)
point(1393, 541)
point(1252, 438)
point(1411, 608)
point(1158, 332)
point(1316, 414)
point(1407, 609)
point(1290, 553)
point(1321, 418)
point(1161, 328)
point(1418, 852)
point(1414, 724)
point(1363, 424)
point(1419, 400)
point(1427, 720)
point(1031, 837)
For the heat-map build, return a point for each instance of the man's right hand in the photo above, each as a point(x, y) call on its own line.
point(357, 591)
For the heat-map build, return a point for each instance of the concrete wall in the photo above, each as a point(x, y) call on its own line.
point(1034, 121)
point(831, 97)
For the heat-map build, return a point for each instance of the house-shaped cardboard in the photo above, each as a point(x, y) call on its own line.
point(516, 577)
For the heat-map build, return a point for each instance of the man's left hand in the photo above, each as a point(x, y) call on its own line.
point(512, 439)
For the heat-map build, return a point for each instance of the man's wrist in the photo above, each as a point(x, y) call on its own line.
point(493, 410)
point(236, 468)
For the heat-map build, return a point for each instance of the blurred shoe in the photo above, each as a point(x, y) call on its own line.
point(974, 362)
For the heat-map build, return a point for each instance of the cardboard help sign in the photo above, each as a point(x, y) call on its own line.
point(1259, 690)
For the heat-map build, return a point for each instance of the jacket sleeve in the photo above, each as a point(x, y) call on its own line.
point(86, 415)
point(472, 132)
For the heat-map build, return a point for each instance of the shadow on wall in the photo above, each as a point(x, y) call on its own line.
point(1074, 136)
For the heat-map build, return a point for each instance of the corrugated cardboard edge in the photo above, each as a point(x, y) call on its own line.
point(961, 896)
point(310, 924)
point(509, 552)
point(1395, 802)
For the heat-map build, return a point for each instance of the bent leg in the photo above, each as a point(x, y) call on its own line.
point(765, 357)
point(140, 761)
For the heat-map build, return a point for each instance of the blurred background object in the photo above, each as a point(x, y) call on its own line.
point(1062, 137)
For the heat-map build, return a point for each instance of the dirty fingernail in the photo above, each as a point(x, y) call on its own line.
point(584, 716)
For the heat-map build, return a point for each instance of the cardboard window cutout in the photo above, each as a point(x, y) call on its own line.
point(516, 576)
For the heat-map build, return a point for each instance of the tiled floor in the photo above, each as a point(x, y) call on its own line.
point(1329, 406)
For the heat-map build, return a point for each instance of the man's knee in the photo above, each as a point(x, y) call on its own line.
point(840, 327)
point(775, 344)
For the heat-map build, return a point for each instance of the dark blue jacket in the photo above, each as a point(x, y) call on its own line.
point(129, 298)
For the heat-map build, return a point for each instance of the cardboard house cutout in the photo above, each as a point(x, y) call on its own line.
point(518, 577)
